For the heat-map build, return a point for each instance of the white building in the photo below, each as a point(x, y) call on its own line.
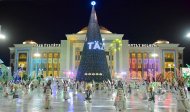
point(125, 59)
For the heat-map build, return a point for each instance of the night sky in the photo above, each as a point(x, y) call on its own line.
point(47, 21)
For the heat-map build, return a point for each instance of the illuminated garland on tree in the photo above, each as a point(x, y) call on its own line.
point(93, 64)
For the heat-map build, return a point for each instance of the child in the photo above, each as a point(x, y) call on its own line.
point(88, 94)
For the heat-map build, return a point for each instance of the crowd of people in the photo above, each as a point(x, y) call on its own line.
point(123, 89)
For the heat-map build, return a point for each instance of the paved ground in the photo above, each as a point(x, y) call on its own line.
point(100, 103)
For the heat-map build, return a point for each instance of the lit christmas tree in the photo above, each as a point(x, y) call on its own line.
point(93, 65)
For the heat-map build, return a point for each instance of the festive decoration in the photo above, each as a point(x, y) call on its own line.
point(118, 46)
point(95, 45)
point(186, 74)
point(4, 75)
point(93, 3)
point(93, 65)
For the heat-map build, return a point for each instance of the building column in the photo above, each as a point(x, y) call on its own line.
point(148, 64)
point(136, 56)
point(142, 66)
point(120, 59)
point(130, 64)
point(175, 62)
point(72, 66)
point(125, 57)
point(117, 60)
point(64, 57)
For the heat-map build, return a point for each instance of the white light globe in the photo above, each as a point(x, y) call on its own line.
point(37, 54)
point(154, 55)
point(188, 35)
point(2, 36)
point(93, 3)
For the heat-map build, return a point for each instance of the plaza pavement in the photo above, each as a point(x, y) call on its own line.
point(100, 103)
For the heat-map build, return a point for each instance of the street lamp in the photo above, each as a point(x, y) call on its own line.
point(2, 36)
point(170, 67)
point(37, 55)
point(154, 55)
point(188, 35)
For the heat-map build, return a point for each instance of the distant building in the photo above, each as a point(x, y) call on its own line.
point(125, 60)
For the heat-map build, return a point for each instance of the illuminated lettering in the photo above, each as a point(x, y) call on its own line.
point(95, 45)
point(90, 45)
point(142, 45)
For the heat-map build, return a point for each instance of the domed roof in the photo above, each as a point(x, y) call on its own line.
point(161, 42)
point(29, 42)
point(102, 30)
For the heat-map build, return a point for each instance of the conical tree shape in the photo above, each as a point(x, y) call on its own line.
point(93, 65)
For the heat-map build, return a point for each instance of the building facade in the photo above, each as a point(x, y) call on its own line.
point(125, 60)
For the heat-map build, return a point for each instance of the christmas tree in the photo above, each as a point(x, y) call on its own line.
point(93, 65)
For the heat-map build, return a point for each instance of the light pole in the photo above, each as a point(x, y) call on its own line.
point(37, 55)
point(2, 36)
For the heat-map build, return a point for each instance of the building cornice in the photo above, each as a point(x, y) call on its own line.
point(104, 36)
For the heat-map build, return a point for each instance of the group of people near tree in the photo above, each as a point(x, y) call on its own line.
point(123, 89)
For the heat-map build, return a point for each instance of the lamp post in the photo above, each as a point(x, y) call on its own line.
point(37, 55)
point(2, 36)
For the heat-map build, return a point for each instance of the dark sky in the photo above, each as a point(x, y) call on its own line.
point(47, 21)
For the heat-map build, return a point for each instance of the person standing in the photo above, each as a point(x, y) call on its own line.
point(88, 93)
point(48, 93)
point(182, 100)
point(143, 90)
point(74, 88)
point(151, 99)
point(65, 90)
point(5, 90)
point(109, 89)
point(88, 97)
point(129, 89)
point(120, 101)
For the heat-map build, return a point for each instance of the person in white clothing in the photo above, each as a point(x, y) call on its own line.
point(48, 93)
point(65, 90)
point(183, 103)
